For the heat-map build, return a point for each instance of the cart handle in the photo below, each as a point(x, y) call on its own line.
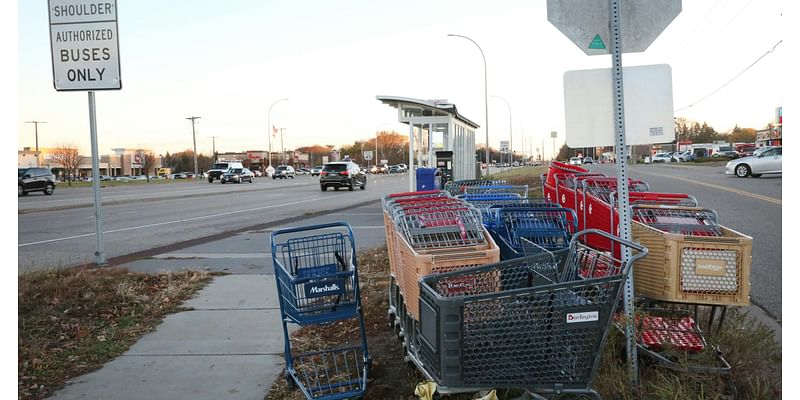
point(641, 250)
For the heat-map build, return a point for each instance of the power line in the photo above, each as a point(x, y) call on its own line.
point(732, 79)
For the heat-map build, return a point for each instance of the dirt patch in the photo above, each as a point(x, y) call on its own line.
point(71, 321)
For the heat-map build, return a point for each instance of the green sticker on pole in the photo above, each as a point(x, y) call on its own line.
point(597, 43)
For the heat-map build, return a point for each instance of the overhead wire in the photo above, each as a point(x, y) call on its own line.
point(732, 79)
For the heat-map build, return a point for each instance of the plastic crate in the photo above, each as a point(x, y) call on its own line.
point(416, 264)
point(694, 269)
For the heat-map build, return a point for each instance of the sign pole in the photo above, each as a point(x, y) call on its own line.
point(622, 185)
point(100, 255)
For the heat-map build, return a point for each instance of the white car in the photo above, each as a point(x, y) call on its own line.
point(661, 158)
point(767, 162)
point(575, 161)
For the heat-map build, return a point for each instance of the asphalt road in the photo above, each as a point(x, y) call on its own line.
point(59, 230)
point(148, 220)
point(751, 206)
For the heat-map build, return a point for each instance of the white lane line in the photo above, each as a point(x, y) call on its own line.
point(727, 189)
point(170, 222)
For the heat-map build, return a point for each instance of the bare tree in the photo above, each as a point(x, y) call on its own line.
point(68, 157)
point(148, 162)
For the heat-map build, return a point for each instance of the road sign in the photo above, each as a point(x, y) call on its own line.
point(504, 146)
point(585, 22)
point(367, 155)
point(589, 106)
point(84, 44)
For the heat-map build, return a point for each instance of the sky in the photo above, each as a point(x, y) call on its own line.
point(229, 61)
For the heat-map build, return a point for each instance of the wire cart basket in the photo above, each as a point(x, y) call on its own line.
point(548, 227)
point(507, 325)
point(317, 280)
point(673, 339)
point(459, 187)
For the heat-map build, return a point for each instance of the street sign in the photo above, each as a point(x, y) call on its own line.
point(367, 155)
point(504, 146)
point(586, 22)
point(589, 106)
point(84, 44)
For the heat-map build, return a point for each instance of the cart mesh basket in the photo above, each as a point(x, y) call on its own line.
point(507, 325)
point(521, 190)
point(458, 187)
point(331, 374)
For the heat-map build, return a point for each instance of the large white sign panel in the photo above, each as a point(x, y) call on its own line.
point(585, 22)
point(84, 44)
point(589, 106)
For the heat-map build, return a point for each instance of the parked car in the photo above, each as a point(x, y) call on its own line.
point(767, 162)
point(725, 154)
point(661, 158)
point(237, 175)
point(303, 171)
point(683, 156)
point(588, 160)
point(220, 168)
point(283, 172)
point(575, 161)
point(35, 179)
point(342, 174)
point(316, 170)
point(395, 169)
point(402, 167)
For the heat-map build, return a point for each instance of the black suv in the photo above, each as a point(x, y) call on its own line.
point(339, 174)
point(35, 179)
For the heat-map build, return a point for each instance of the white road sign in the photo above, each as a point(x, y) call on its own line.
point(84, 44)
point(367, 155)
point(504, 145)
point(585, 22)
point(589, 107)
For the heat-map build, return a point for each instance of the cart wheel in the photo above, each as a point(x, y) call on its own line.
point(289, 381)
point(391, 320)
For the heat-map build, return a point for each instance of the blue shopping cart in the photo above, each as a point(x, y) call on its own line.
point(317, 278)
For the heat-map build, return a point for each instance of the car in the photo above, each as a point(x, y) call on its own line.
point(395, 169)
point(342, 174)
point(575, 161)
point(663, 157)
point(35, 179)
point(767, 162)
point(588, 160)
point(257, 173)
point(682, 156)
point(316, 170)
point(761, 150)
point(303, 171)
point(219, 168)
point(283, 172)
point(237, 175)
point(402, 167)
point(725, 154)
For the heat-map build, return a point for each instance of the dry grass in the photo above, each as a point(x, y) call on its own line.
point(71, 321)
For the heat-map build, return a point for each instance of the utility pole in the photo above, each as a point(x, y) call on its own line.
point(283, 150)
point(36, 128)
point(194, 142)
point(214, 147)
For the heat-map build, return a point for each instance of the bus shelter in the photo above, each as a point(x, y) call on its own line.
point(436, 126)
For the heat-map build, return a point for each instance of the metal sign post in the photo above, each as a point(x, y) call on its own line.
point(85, 53)
point(632, 25)
point(622, 186)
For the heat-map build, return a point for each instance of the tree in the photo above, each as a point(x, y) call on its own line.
point(148, 162)
point(67, 156)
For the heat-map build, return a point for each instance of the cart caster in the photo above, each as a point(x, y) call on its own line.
point(391, 319)
point(289, 381)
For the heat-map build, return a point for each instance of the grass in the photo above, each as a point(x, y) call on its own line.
point(72, 321)
point(62, 185)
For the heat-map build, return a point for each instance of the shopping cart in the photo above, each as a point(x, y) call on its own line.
point(506, 325)
point(694, 221)
point(458, 187)
point(673, 339)
point(459, 226)
point(521, 190)
point(548, 227)
point(317, 279)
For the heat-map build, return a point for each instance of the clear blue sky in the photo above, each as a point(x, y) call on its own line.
point(227, 61)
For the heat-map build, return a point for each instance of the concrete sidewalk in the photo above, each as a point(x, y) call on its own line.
point(229, 346)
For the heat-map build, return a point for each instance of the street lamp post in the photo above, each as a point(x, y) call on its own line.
point(510, 132)
point(485, 96)
point(36, 129)
point(269, 129)
point(214, 147)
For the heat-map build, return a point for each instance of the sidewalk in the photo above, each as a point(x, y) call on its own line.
point(229, 346)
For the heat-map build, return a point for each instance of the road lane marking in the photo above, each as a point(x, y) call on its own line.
point(169, 222)
point(711, 185)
